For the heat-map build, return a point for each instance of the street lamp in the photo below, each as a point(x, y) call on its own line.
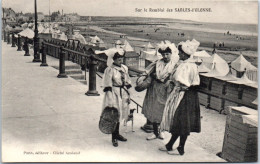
point(36, 38)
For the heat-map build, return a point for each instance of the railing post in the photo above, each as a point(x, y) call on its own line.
point(92, 77)
point(8, 38)
point(3, 34)
point(13, 40)
point(44, 63)
point(19, 43)
point(62, 73)
point(26, 47)
point(5, 38)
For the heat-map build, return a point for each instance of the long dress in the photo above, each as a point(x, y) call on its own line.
point(156, 96)
point(117, 78)
point(182, 110)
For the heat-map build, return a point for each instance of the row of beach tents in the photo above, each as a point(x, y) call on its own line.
point(212, 65)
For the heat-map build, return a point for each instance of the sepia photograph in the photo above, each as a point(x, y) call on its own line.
point(129, 81)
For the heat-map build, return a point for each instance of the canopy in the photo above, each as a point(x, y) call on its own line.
point(203, 54)
point(240, 64)
point(220, 65)
point(27, 33)
point(127, 47)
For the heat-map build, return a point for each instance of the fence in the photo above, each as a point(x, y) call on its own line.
point(83, 55)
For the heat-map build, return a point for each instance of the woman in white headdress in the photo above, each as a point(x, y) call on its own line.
point(182, 110)
point(156, 93)
point(116, 82)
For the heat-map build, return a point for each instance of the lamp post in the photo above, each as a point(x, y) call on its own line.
point(36, 38)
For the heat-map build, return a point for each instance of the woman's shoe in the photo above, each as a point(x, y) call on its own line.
point(161, 135)
point(180, 150)
point(172, 152)
point(114, 142)
point(152, 137)
point(164, 148)
point(121, 138)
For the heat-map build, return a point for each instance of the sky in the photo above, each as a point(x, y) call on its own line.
point(222, 11)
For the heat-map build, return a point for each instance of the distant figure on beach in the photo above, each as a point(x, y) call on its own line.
point(182, 34)
point(214, 51)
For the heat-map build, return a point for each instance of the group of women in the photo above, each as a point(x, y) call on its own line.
point(171, 102)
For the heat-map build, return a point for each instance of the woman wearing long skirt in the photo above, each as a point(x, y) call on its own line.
point(116, 82)
point(182, 110)
point(156, 94)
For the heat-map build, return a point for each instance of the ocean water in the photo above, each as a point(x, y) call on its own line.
point(237, 29)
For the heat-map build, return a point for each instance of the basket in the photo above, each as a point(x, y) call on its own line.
point(142, 83)
point(108, 120)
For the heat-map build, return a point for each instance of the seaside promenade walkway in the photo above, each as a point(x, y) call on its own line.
point(47, 119)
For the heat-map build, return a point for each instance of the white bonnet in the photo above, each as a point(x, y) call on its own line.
point(165, 44)
point(190, 47)
point(110, 54)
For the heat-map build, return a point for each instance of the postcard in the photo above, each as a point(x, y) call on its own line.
point(129, 81)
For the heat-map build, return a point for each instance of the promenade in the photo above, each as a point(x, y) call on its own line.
point(48, 119)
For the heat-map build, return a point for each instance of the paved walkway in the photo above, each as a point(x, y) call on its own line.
point(47, 119)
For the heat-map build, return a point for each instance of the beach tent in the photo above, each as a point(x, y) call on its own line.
point(127, 47)
point(30, 25)
point(218, 64)
point(63, 37)
point(203, 68)
point(25, 25)
point(241, 64)
point(47, 31)
point(118, 44)
point(228, 77)
point(40, 28)
point(96, 39)
point(79, 37)
point(148, 46)
point(8, 28)
point(255, 101)
point(243, 80)
point(27, 33)
point(201, 54)
point(150, 55)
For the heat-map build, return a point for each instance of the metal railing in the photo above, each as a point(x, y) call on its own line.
point(82, 55)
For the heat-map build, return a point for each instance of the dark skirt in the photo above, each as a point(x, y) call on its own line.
point(187, 116)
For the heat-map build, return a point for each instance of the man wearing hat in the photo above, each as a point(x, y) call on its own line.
point(182, 110)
